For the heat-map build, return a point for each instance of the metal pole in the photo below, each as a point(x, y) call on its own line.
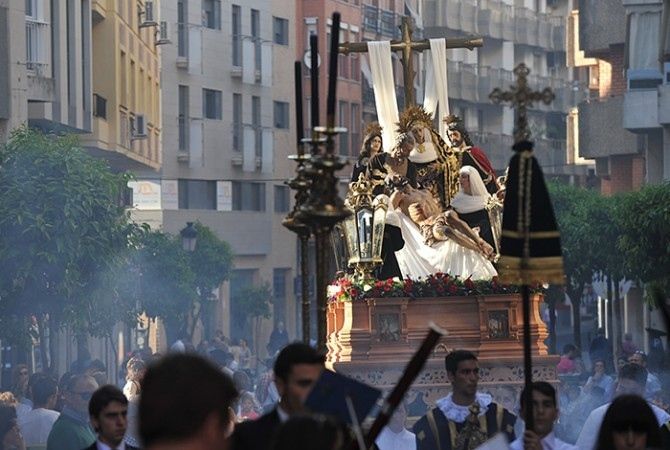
point(527, 359)
point(321, 234)
point(304, 287)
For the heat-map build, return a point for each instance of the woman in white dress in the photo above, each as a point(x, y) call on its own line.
point(471, 203)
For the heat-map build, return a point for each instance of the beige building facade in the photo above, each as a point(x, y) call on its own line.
point(227, 109)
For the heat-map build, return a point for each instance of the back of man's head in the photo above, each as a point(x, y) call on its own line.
point(634, 372)
point(43, 388)
point(180, 393)
point(543, 388)
point(452, 360)
point(294, 354)
point(103, 397)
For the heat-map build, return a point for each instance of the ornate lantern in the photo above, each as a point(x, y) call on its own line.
point(364, 229)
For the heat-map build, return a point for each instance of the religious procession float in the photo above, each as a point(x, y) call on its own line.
point(423, 244)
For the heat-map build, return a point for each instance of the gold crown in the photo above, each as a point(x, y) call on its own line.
point(411, 116)
point(373, 128)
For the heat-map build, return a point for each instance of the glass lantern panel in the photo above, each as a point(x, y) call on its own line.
point(351, 236)
point(364, 218)
point(378, 236)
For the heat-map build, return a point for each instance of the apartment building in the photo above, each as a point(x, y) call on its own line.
point(227, 103)
point(618, 153)
point(126, 125)
point(45, 65)
point(529, 31)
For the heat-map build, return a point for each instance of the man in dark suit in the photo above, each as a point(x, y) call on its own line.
point(108, 410)
point(296, 369)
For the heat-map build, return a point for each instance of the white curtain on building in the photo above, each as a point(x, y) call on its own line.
point(644, 40)
point(384, 87)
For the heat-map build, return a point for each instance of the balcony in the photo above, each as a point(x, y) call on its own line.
point(454, 14)
point(370, 19)
point(496, 146)
point(600, 129)
point(601, 24)
point(469, 16)
point(489, 19)
point(508, 32)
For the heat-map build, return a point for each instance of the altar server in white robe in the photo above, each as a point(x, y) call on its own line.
point(395, 436)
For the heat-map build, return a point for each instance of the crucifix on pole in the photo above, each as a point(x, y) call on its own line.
point(521, 97)
point(530, 241)
point(406, 45)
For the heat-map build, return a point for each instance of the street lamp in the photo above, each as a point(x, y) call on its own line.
point(189, 236)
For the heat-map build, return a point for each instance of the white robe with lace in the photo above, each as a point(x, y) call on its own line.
point(416, 259)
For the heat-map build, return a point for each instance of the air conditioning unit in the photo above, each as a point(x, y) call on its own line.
point(148, 13)
point(138, 127)
point(163, 34)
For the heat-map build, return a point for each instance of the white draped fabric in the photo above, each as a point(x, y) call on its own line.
point(384, 87)
point(437, 87)
point(436, 92)
point(416, 259)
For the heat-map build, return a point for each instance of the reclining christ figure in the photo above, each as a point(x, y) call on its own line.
point(436, 240)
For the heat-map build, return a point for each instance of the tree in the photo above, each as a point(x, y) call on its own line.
point(579, 241)
point(211, 262)
point(62, 227)
point(174, 284)
point(644, 221)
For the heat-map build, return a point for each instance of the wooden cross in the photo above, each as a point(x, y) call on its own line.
point(406, 45)
point(521, 97)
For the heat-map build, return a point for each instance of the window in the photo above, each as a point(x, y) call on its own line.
point(282, 199)
point(355, 126)
point(211, 14)
point(280, 27)
point(182, 29)
point(237, 36)
point(240, 279)
point(281, 115)
point(211, 104)
point(344, 122)
point(256, 124)
point(279, 277)
point(256, 35)
point(197, 194)
point(237, 122)
point(248, 196)
point(99, 106)
point(183, 117)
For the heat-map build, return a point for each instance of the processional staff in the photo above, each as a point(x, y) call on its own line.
point(530, 246)
point(406, 45)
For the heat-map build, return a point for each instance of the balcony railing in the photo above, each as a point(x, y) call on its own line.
point(37, 41)
point(371, 19)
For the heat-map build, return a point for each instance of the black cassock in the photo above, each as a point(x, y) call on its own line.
point(496, 419)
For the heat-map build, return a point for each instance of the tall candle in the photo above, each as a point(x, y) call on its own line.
point(297, 73)
point(332, 70)
point(314, 73)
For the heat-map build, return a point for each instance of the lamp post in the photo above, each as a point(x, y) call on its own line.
point(189, 236)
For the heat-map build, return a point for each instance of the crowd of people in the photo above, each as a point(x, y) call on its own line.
point(189, 401)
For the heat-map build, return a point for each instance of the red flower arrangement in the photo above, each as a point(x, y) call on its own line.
point(347, 288)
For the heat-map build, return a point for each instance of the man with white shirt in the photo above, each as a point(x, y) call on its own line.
point(395, 436)
point(632, 379)
point(545, 413)
point(108, 410)
point(36, 424)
